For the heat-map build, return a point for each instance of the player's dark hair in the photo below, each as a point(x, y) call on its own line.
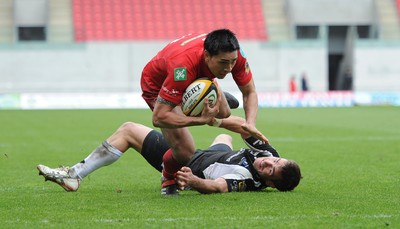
point(291, 176)
point(221, 40)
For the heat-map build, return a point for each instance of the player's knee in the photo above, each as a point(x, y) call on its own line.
point(129, 127)
point(223, 138)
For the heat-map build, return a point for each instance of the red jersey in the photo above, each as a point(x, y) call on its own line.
point(180, 63)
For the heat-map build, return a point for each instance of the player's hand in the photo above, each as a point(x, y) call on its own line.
point(210, 112)
point(251, 129)
point(184, 177)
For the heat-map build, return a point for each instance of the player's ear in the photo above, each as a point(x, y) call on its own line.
point(207, 55)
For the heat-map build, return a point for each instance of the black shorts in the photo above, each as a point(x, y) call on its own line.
point(155, 146)
point(220, 147)
point(195, 164)
point(153, 149)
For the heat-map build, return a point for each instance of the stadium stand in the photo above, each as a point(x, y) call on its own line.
point(60, 27)
point(6, 21)
point(398, 6)
point(159, 20)
point(276, 20)
point(388, 19)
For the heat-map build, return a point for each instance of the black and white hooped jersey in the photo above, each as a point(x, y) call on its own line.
point(236, 167)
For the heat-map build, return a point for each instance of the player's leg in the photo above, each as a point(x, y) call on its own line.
point(150, 143)
point(232, 101)
point(69, 178)
point(182, 143)
point(153, 149)
point(182, 149)
point(104, 154)
point(222, 142)
point(260, 148)
point(129, 135)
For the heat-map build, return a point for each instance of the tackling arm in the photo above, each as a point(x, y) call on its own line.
point(185, 178)
point(238, 125)
point(250, 102)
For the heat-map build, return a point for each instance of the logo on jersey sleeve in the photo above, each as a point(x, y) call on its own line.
point(179, 74)
point(247, 68)
point(238, 185)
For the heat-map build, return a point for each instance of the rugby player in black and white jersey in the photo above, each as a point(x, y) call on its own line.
point(217, 169)
point(222, 169)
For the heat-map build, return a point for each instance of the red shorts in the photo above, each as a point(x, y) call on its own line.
point(148, 94)
point(151, 85)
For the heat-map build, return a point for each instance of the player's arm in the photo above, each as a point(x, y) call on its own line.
point(250, 102)
point(227, 183)
point(250, 105)
point(167, 115)
point(239, 125)
point(185, 178)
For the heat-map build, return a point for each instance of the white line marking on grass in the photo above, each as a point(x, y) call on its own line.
point(7, 189)
point(291, 217)
point(337, 139)
point(199, 219)
point(112, 220)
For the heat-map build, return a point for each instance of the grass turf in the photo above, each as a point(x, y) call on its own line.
point(348, 156)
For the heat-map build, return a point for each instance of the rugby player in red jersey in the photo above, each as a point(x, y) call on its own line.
point(167, 75)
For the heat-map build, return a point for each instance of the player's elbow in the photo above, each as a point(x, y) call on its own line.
point(222, 189)
point(157, 120)
point(220, 185)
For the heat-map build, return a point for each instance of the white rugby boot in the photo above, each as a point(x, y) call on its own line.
point(59, 176)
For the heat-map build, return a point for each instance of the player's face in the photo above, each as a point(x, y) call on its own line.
point(269, 168)
point(220, 65)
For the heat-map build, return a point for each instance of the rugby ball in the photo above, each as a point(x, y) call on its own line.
point(194, 95)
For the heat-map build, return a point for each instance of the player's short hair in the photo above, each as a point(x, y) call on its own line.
point(221, 40)
point(291, 176)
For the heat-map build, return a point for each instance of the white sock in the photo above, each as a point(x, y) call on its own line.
point(103, 155)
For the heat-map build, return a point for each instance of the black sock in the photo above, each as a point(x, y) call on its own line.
point(260, 146)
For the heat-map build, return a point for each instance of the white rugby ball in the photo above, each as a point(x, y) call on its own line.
point(194, 95)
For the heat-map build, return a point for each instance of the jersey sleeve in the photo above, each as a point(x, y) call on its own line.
point(237, 177)
point(238, 183)
point(172, 90)
point(241, 72)
point(240, 180)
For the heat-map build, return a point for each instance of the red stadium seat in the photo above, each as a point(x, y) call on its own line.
point(165, 19)
point(398, 6)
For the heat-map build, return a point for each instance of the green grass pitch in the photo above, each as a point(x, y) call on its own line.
point(349, 159)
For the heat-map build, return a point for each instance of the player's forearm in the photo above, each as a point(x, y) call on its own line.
point(208, 186)
point(250, 106)
point(250, 102)
point(233, 123)
point(173, 120)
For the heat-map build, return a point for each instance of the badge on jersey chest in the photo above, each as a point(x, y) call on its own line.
point(179, 74)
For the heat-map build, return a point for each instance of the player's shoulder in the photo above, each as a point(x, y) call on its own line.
point(188, 41)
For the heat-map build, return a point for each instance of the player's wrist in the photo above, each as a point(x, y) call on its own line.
point(216, 122)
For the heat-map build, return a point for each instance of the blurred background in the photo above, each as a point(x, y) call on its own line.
point(303, 53)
